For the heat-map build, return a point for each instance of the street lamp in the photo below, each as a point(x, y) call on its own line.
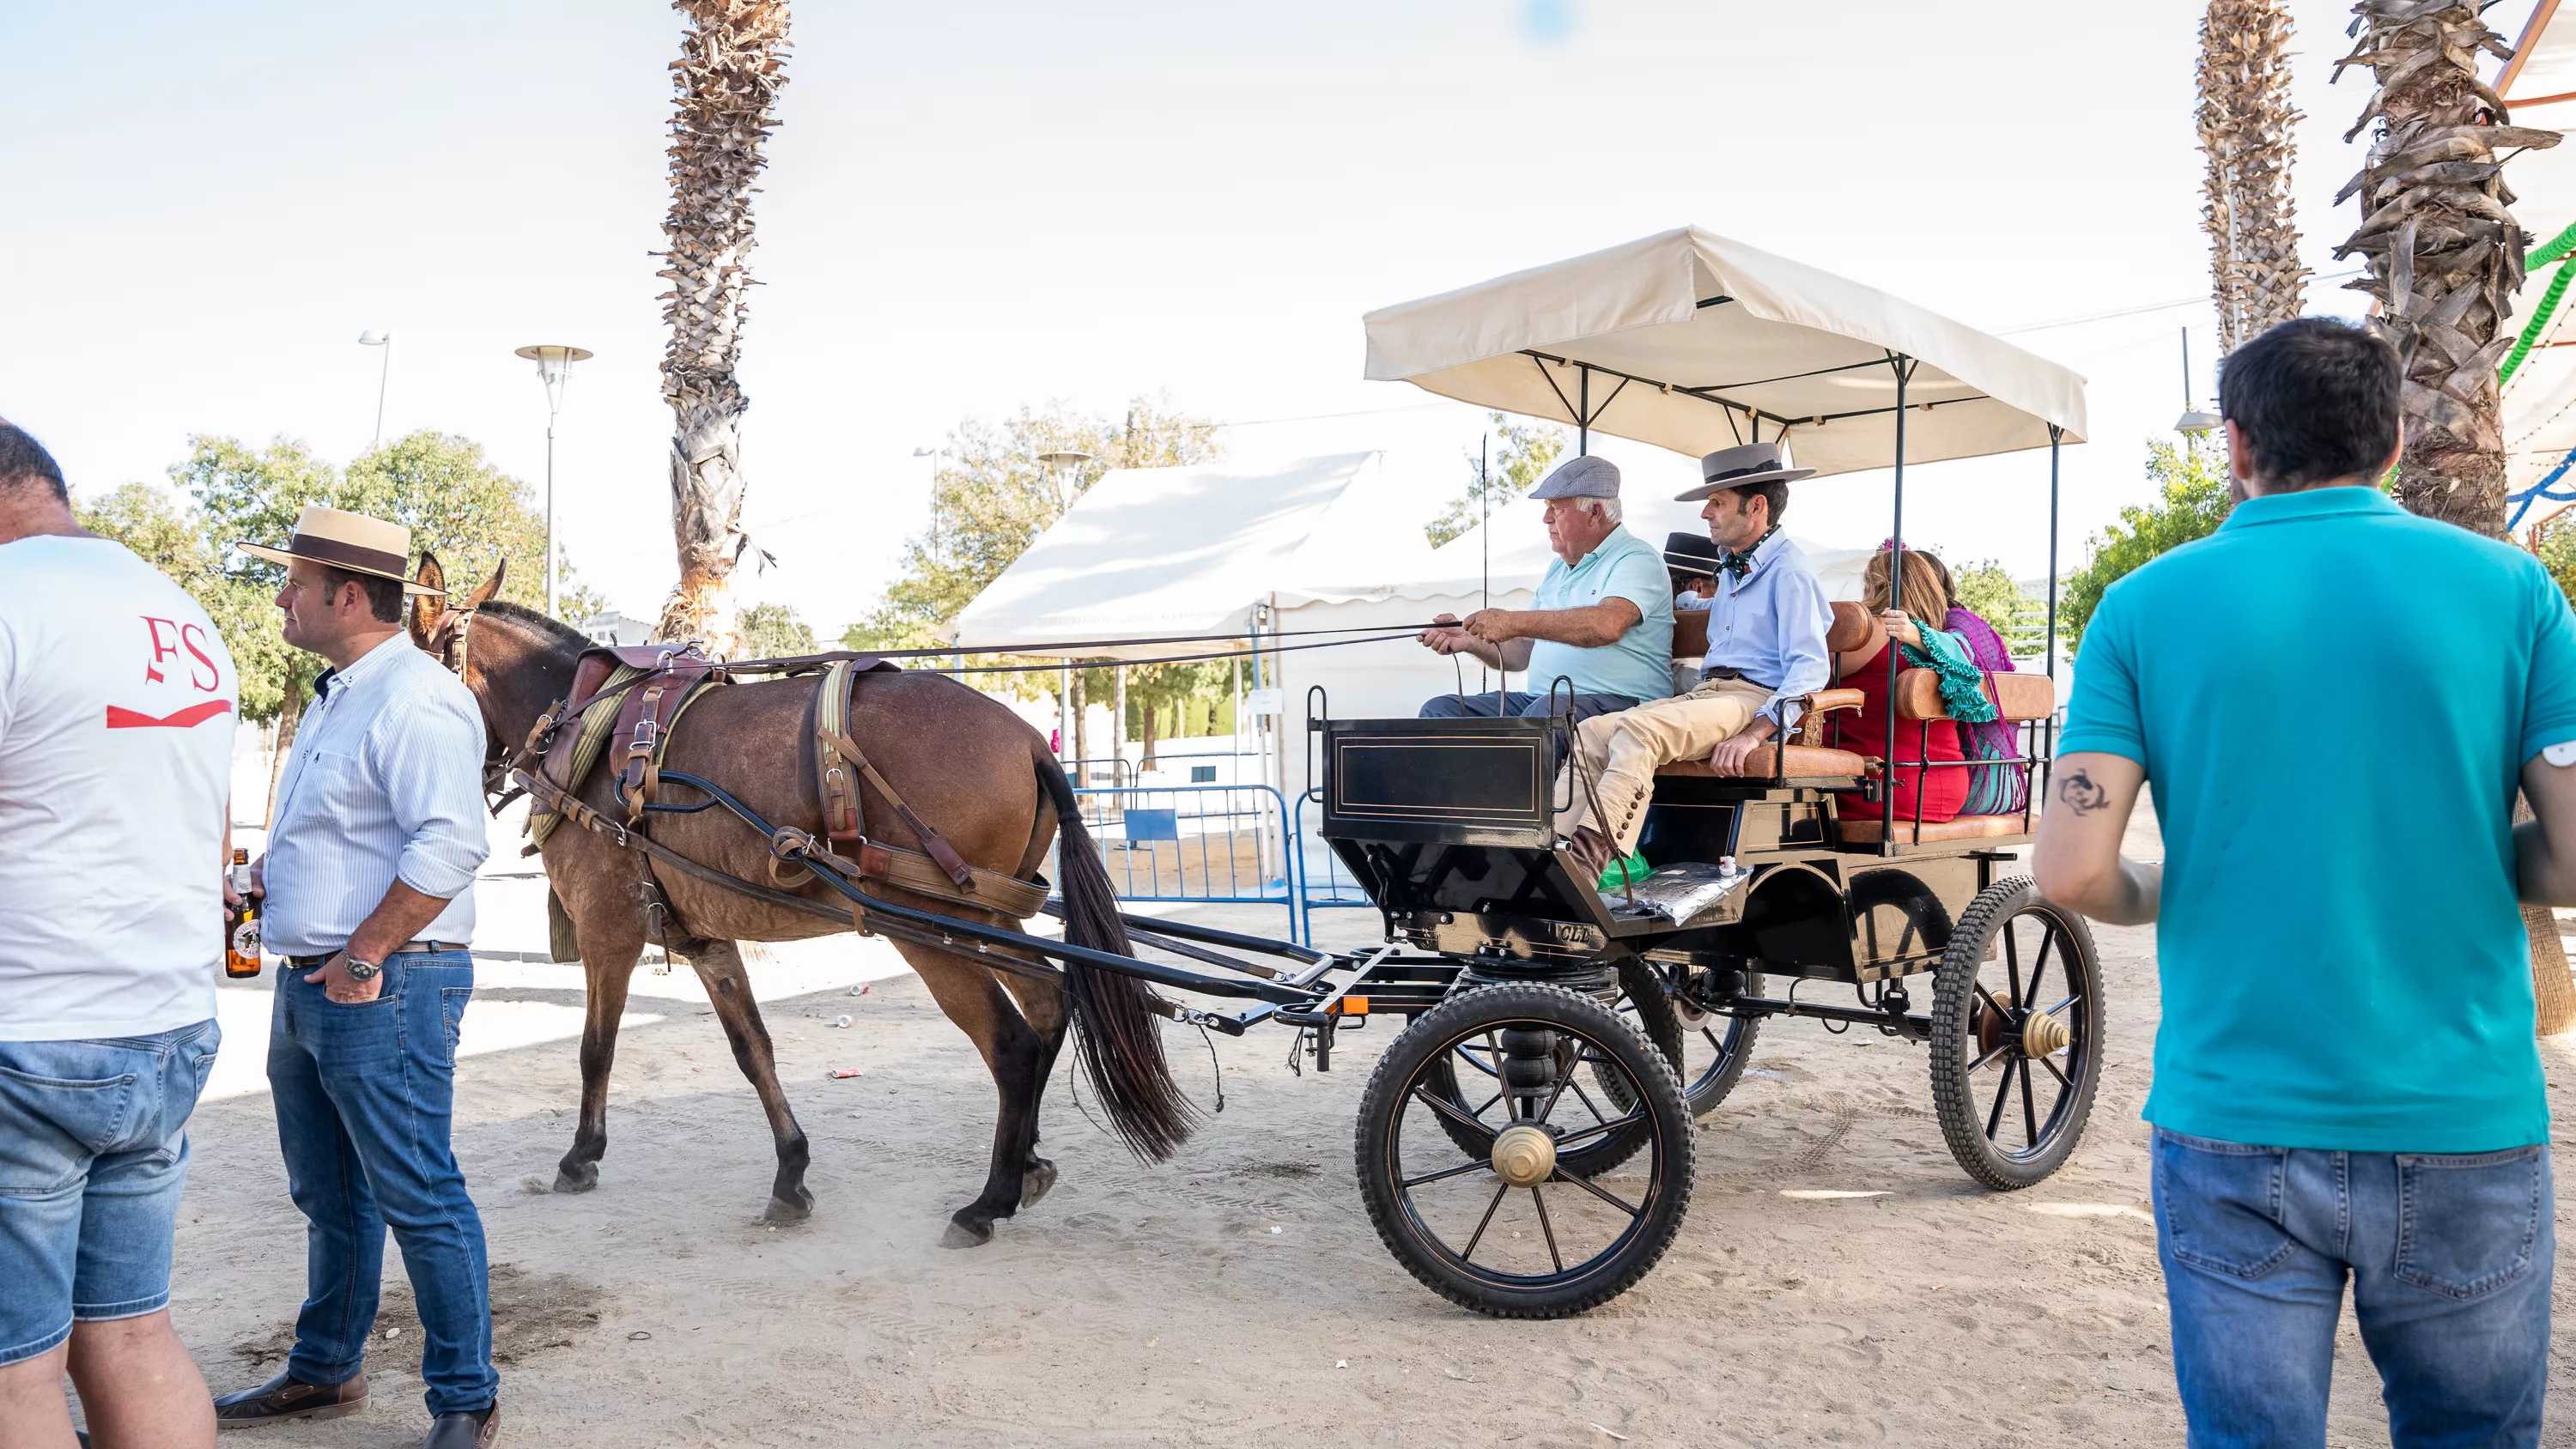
point(2194, 423)
point(554, 364)
point(1063, 462)
point(369, 338)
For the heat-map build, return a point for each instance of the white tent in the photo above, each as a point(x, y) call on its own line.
point(1152, 553)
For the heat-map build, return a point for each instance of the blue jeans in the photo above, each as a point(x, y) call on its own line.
point(93, 1153)
point(1517, 702)
point(2449, 1257)
point(364, 1098)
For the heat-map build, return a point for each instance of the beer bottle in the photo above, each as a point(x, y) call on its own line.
point(241, 947)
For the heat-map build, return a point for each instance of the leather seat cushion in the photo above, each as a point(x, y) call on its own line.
point(1851, 627)
point(2016, 696)
point(1860, 823)
point(1804, 763)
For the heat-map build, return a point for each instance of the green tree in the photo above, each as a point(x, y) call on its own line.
point(2191, 502)
point(1988, 590)
point(773, 631)
point(1526, 451)
point(2555, 543)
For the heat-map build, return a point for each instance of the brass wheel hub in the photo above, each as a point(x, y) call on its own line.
point(1524, 1154)
point(2043, 1035)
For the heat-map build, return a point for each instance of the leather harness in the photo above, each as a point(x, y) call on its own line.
point(649, 687)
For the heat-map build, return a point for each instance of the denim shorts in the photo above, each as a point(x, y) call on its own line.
point(93, 1152)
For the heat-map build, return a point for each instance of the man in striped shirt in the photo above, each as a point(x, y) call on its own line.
point(369, 877)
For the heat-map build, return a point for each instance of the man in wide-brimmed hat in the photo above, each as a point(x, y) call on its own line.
point(1604, 621)
point(376, 836)
point(1766, 647)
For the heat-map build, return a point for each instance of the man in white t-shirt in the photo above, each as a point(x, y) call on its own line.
point(116, 736)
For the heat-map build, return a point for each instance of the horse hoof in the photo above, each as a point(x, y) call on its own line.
point(572, 1179)
point(1036, 1182)
point(790, 1210)
point(963, 1235)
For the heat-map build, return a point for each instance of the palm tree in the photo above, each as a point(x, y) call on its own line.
point(2445, 259)
point(2245, 123)
point(2443, 252)
point(732, 62)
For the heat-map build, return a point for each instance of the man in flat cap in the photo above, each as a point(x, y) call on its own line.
point(1604, 621)
point(1767, 624)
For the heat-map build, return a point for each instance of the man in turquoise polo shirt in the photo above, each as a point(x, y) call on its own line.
point(2335, 701)
point(1604, 621)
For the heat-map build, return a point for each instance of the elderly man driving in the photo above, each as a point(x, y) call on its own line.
point(1604, 621)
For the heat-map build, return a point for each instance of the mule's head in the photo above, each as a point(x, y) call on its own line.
point(446, 635)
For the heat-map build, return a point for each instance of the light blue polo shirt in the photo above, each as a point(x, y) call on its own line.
point(1639, 663)
point(2333, 700)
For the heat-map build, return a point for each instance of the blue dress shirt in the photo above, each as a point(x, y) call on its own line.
point(1771, 625)
point(385, 784)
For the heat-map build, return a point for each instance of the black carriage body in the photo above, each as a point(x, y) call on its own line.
point(1449, 827)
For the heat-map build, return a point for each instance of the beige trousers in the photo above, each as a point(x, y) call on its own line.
point(1624, 749)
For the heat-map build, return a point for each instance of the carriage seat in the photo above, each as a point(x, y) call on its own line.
point(1808, 756)
point(1918, 697)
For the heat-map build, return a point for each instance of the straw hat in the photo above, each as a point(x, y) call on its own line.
point(350, 541)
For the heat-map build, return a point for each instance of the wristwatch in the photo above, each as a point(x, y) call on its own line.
point(360, 970)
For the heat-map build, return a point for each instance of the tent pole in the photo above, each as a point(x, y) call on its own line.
point(2055, 433)
point(1895, 600)
point(1583, 416)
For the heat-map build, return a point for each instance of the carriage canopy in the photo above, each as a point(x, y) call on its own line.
point(1693, 342)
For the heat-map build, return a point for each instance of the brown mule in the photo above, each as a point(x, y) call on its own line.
point(968, 765)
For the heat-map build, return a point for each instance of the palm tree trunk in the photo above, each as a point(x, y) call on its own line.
point(2445, 259)
point(732, 63)
point(2246, 124)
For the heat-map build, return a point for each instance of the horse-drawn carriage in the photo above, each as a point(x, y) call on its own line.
point(1525, 1143)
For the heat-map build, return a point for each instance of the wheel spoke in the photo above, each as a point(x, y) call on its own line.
point(1589, 1105)
point(1547, 1228)
point(2000, 1048)
point(2054, 1072)
point(2029, 1114)
point(2039, 968)
point(2012, 946)
point(2003, 1091)
point(1451, 1110)
point(1472, 1165)
point(1570, 1138)
point(1602, 1193)
point(1988, 997)
point(1487, 1220)
point(1489, 1106)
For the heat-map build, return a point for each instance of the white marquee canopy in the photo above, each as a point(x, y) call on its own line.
point(1694, 342)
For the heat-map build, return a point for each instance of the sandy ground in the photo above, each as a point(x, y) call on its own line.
point(1234, 1296)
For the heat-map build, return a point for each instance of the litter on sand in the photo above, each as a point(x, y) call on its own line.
point(844, 1073)
point(1341, 1363)
point(859, 990)
point(1613, 1433)
point(842, 1020)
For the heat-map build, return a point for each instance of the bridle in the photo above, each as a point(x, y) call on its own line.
point(455, 647)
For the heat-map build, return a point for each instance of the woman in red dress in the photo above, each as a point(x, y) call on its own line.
point(1864, 731)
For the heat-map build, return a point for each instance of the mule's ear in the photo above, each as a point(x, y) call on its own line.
point(428, 609)
point(491, 587)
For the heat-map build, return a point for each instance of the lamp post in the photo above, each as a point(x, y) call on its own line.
point(2194, 423)
point(554, 364)
point(369, 338)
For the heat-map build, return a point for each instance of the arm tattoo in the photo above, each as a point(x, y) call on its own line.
point(2081, 795)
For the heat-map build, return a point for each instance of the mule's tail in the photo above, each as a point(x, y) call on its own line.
point(1117, 1031)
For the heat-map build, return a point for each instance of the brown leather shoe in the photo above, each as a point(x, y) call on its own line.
point(286, 1397)
point(464, 1431)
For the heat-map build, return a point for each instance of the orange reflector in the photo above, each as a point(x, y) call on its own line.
point(1351, 1006)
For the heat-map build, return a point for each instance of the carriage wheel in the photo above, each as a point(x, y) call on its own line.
point(1715, 1045)
point(2016, 1035)
point(1501, 1221)
point(1469, 1075)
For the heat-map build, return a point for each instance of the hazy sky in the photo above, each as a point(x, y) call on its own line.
point(971, 207)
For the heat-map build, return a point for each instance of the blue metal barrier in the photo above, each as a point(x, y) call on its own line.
point(1220, 844)
point(1340, 892)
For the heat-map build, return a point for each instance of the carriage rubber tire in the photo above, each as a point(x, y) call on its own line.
point(1706, 1091)
point(1953, 990)
point(1669, 1120)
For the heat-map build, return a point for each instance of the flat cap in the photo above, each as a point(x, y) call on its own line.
point(1589, 476)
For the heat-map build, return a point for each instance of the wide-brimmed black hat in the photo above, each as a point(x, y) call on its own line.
point(1737, 467)
point(1692, 553)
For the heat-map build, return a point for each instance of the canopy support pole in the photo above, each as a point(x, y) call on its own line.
point(1896, 600)
point(2055, 434)
point(1583, 415)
